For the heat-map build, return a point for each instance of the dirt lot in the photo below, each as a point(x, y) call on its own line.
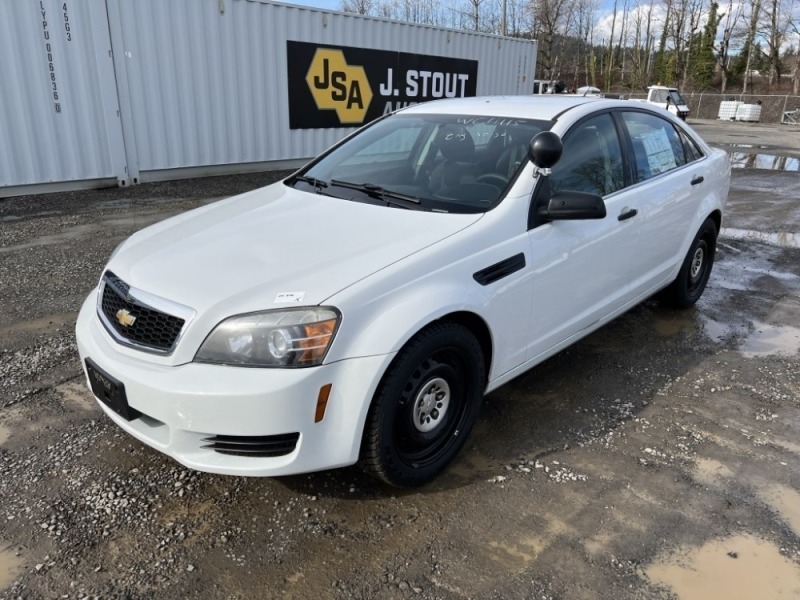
point(658, 458)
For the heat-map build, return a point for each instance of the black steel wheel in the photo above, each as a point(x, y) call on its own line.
point(425, 407)
point(695, 270)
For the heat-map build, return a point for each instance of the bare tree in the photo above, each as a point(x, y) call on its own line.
point(731, 21)
point(750, 40)
point(585, 21)
point(795, 28)
point(361, 7)
point(777, 20)
point(475, 13)
point(550, 19)
point(643, 41)
point(622, 42)
point(610, 55)
point(682, 26)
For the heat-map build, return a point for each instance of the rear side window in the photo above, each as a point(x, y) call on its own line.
point(693, 153)
point(657, 147)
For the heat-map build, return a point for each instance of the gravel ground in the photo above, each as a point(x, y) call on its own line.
point(666, 441)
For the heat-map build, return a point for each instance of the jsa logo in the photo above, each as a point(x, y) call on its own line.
point(335, 85)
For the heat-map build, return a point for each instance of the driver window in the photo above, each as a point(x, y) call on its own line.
point(592, 159)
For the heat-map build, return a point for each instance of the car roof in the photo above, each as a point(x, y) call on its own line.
point(544, 107)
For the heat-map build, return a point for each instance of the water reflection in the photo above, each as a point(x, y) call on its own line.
point(769, 162)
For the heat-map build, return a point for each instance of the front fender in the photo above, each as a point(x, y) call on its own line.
point(387, 322)
point(381, 313)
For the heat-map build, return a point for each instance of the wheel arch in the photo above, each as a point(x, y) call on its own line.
point(471, 321)
point(478, 327)
point(716, 216)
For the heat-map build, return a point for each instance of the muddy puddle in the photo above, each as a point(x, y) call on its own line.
point(77, 232)
point(517, 553)
point(764, 161)
point(737, 568)
point(709, 471)
point(42, 325)
point(671, 326)
point(10, 566)
point(77, 394)
point(472, 464)
point(668, 325)
point(760, 146)
point(71, 234)
point(771, 340)
point(785, 502)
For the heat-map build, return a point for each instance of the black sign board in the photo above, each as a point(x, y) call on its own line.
point(339, 86)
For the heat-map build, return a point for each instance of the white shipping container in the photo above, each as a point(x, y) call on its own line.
point(194, 87)
point(59, 117)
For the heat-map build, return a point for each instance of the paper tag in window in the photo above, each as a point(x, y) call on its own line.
point(289, 297)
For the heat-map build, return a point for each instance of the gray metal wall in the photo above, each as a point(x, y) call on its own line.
point(191, 87)
point(58, 98)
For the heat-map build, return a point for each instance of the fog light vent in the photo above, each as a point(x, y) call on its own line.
point(255, 445)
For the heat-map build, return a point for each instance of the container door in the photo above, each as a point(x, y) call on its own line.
point(59, 115)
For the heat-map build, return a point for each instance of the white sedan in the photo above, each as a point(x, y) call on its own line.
point(359, 310)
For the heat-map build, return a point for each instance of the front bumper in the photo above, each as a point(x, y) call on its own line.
point(184, 405)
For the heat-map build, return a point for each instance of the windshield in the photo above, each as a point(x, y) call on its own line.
point(447, 163)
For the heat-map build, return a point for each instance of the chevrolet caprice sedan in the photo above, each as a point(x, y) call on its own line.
point(359, 310)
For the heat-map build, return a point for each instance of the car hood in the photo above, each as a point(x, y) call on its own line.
point(273, 247)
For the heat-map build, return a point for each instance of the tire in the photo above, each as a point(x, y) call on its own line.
point(425, 406)
point(695, 270)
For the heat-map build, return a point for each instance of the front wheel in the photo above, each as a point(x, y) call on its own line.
point(425, 407)
point(695, 270)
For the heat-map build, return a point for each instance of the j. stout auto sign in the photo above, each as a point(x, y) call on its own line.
point(339, 86)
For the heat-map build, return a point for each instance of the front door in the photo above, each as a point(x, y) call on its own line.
point(582, 269)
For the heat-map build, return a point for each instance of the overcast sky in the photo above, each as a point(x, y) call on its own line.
point(602, 28)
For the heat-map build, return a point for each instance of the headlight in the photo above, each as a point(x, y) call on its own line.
point(281, 338)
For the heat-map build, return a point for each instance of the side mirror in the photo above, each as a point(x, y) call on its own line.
point(570, 206)
point(545, 149)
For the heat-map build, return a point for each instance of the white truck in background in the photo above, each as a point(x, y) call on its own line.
point(668, 98)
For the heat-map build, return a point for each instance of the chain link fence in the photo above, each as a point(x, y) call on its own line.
point(774, 108)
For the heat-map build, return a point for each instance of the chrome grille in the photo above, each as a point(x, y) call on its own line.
point(151, 329)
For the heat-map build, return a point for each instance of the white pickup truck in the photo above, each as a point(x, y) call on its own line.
point(668, 98)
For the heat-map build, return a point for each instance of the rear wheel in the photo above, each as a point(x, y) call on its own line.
point(425, 407)
point(695, 270)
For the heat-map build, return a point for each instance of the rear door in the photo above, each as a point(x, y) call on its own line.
point(667, 181)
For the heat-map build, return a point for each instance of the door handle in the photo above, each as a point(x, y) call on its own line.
point(627, 213)
point(698, 179)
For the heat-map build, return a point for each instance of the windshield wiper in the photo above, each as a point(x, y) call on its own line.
point(378, 192)
point(313, 181)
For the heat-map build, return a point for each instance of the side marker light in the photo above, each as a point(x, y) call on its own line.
point(322, 402)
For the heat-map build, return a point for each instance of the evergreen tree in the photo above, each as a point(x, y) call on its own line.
point(661, 70)
point(704, 58)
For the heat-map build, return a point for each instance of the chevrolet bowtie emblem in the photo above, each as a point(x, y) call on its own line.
point(125, 318)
